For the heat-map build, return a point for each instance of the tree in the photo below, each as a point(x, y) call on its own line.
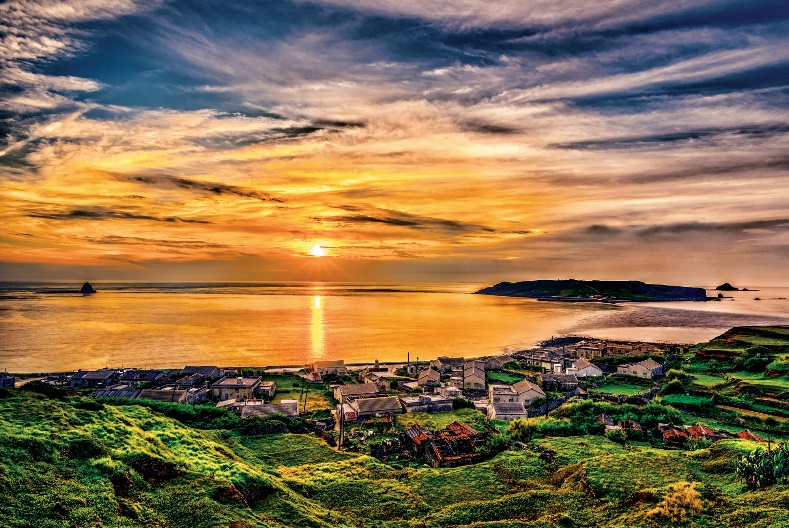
point(520, 430)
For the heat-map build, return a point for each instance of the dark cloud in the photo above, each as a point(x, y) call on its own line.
point(401, 219)
point(100, 213)
point(488, 128)
point(714, 227)
point(124, 240)
point(602, 229)
point(201, 186)
point(744, 131)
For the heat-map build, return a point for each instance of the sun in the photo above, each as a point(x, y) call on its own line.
point(317, 251)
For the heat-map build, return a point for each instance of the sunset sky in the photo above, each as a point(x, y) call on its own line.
point(413, 140)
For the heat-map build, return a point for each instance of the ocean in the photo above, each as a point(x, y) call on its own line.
point(169, 325)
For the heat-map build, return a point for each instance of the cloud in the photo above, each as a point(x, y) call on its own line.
point(101, 214)
point(402, 219)
point(201, 186)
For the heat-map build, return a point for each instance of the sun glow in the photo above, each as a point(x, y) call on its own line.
point(317, 251)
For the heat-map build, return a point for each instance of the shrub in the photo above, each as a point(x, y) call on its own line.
point(675, 374)
point(779, 365)
point(416, 390)
point(616, 435)
point(755, 364)
point(681, 502)
point(673, 387)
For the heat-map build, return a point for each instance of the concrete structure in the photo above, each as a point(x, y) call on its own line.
point(428, 377)
point(207, 372)
point(237, 388)
point(285, 407)
point(449, 392)
point(366, 408)
point(7, 381)
point(647, 369)
point(426, 403)
point(557, 382)
point(95, 378)
point(447, 365)
point(267, 389)
point(497, 362)
point(506, 411)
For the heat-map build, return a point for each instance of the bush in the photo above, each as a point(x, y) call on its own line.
point(673, 387)
point(50, 391)
point(779, 365)
point(756, 364)
point(462, 403)
point(675, 374)
point(681, 502)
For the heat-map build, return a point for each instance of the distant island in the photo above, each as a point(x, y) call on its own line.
point(595, 291)
point(728, 287)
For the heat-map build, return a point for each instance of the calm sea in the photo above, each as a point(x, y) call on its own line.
point(265, 324)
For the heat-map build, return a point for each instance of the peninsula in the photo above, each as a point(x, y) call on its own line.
point(599, 291)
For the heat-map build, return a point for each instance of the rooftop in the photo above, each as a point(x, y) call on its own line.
point(238, 382)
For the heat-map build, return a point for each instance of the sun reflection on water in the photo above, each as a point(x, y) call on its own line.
point(316, 329)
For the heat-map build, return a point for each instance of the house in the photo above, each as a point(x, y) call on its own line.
point(407, 386)
point(7, 381)
point(498, 362)
point(587, 351)
point(454, 446)
point(449, 392)
point(630, 425)
point(672, 435)
point(647, 369)
point(426, 403)
point(474, 375)
point(428, 378)
point(545, 360)
point(527, 392)
point(501, 393)
point(557, 382)
point(372, 378)
point(207, 372)
point(609, 424)
point(702, 432)
point(125, 392)
point(142, 376)
point(366, 408)
point(417, 438)
point(238, 388)
point(266, 389)
point(330, 368)
point(163, 395)
point(342, 393)
point(446, 365)
point(285, 407)
point(95, 378)
point(455, 381)
point(190, 380)
point(581, 368)
point(312, 377)
point(506, 411)
point(748, 435)
point(618, 349)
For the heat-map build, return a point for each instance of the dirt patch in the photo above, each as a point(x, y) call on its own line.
point(156, 471)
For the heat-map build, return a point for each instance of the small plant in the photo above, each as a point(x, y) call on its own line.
point(616, 435)
point(681, 502)
point(761, 468)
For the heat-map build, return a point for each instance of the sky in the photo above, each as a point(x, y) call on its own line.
point(426, 141)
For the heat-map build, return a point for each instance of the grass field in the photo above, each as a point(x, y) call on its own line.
point(708, 381)
point(502, 376)
point(292, 388)
point(764, 382)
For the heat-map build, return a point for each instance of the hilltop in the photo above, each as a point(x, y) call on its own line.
point(581, 290)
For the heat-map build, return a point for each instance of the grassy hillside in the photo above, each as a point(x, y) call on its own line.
point(74, 462)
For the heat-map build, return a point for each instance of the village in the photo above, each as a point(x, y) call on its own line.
point(382, 408)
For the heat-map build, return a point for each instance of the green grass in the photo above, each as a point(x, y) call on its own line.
point(764, 382)
point(292, 388)
point(434, 421)
point(502, 376)
point(707, 380)
point(621, 388)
